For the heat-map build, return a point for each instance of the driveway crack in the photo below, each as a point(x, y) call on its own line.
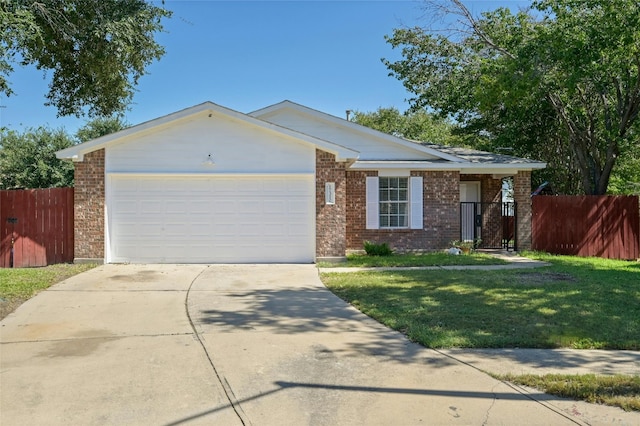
point(235, 404)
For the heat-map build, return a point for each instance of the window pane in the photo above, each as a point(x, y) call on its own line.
point(402, 195)
point(393, 221)
point(403, 183)
point(402, 208)
point(384, 221)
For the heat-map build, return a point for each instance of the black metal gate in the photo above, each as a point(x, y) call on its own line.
point(490, 225)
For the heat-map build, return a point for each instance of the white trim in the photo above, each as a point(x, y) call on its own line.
point(206, 174)
point(336, 121)
point(416, 200)
point(372, 203)
point(467, 168)
point(77, 152)
point(394, 173)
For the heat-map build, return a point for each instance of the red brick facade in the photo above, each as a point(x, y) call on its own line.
point(331, 219)
point(441, 214)
point(340, 227)
point(89, 207)
point(522, 197)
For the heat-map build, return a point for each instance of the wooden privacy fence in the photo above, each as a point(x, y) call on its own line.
point(600, 226)
point(36, 227)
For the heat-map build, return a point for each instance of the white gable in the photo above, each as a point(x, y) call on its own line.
point(235, 146)
point(209, 109)
point(371, 144)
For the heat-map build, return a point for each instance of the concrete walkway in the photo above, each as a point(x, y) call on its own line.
point(514, 262)
point(240, 344)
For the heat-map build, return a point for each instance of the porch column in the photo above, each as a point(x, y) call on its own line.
point(522, 196)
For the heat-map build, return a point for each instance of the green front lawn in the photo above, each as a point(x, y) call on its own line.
point(19, 284)
point(575, 303)
point(427, 259)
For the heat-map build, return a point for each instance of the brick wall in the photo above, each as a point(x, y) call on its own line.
point(522, 196)
point(441, 214)
point(330, 218)
point(89, 206)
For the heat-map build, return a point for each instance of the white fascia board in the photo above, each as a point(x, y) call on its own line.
point(77, 152)
point(355, 127)
point(465, 168)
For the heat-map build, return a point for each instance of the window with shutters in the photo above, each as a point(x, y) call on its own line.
point(394, 202)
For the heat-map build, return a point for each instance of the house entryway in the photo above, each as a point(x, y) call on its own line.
point(492, 225)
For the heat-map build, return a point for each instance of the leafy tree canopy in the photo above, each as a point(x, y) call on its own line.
point(97, 50)
point(28, 159)
point(560, 81)
point(99, 127)
point(415, 125)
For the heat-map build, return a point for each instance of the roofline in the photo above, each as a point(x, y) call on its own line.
point(429, 165)
point(359, 128)
point(77, 152)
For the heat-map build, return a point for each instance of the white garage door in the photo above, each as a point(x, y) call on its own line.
point(211, 219)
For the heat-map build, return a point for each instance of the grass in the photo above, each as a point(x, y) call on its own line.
point(575, 303)
point(20, 284)
point(618, 391)
point(412, 259)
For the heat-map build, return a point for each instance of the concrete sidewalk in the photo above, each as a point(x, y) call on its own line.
point(514, 262)
point(240, 344)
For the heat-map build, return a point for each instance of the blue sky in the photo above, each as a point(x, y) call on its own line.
point(246, 55)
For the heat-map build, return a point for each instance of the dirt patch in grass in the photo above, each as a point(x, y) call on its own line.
point(544, 278)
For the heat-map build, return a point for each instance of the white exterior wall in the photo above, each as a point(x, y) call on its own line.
point(371, 148)
point(235, 147)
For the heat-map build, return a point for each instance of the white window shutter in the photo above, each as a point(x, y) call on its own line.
point(373, 208)
point(416, 200)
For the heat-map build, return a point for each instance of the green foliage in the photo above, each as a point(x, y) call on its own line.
point(100, 126)
point(375, 249)
point(414, 125)
point(559, 82)
point(97, 50)
point(28, 159)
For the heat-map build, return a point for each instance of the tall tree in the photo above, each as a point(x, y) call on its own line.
point(561, 79)
point(97, 49)
point(100, 126)
point(415, 125)
point(28, 159)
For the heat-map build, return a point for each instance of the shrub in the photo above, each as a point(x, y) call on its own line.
point(374, 249)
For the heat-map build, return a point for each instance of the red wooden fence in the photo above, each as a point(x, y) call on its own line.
point(599, 226)
point(40, 223)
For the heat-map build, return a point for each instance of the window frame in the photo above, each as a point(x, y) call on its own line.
point(394, 202)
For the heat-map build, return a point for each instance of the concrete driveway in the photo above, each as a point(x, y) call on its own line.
point(231, 344)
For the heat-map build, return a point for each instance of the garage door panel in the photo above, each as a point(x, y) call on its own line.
point(211, 220)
